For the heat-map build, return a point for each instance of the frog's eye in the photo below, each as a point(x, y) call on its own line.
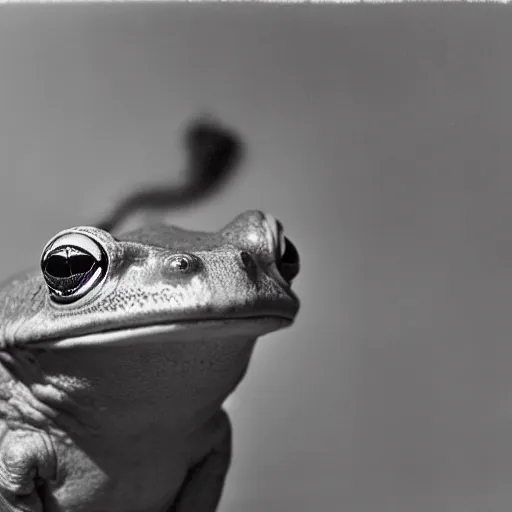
point(72, 265)
point(282, 242)
point(288, 264)
point(277, 233)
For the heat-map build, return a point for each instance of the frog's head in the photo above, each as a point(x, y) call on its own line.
point(94, 288)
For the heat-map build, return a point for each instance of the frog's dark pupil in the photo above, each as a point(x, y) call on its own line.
point(290, 254)
point(66, 266)
point(289, 263)
point(67, 269)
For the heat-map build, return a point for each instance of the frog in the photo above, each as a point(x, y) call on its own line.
point(117, 354)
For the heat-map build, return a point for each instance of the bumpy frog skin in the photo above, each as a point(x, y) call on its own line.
point(117, 354)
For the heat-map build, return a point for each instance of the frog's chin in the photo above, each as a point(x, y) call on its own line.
point(240, 328)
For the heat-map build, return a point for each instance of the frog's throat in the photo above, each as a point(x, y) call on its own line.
point(190, 330)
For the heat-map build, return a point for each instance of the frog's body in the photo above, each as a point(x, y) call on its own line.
point(112, 400)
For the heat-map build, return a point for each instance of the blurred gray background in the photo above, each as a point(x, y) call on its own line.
point(380, 136)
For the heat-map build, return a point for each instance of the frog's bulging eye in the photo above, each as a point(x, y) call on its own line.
point(288, 264)
point(72, 265)
point(282, 241)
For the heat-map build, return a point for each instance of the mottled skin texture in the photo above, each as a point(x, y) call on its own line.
point(114, 402)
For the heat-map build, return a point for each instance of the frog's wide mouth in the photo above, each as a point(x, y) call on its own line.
point(247, 328)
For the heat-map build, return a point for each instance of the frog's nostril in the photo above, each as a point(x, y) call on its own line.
point(289, 262)
point(247, 259)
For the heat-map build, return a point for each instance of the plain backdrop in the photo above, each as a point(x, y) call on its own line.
point(380, 136)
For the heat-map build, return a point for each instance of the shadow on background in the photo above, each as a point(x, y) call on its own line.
point(213, 153)
point(379, 136)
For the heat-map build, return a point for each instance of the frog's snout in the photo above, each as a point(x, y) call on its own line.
point(288, 263)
